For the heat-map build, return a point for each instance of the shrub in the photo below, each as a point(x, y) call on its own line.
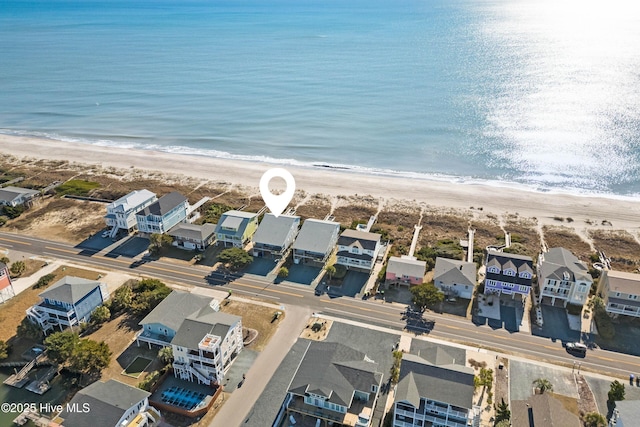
point(605, 325)
point(44, 281)
point(341, 271)
point(283, 272)
point(574, 309)
point(3, 220)
point(13, 212)
point(17, 268)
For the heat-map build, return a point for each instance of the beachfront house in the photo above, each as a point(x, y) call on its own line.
point(68, 302)
point(455, 278)
point(435, 392)
point(6, 286)
point(405, 271)
point(621, 293)
point(109, 404)
point(358, 249)
point(315, 242)
point(193, 236)
point(508, 274)
point(121, 214)
point(163, 214)
point(275, 235)
point(204, 341)
point(15, 196)
point(235, 228)
point(543, 410)
point(333, 383)
point(562, 278)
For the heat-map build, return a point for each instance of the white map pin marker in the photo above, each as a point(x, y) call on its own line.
point(277, 203)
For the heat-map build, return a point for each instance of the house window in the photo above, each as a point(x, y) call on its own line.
point(525, 275)
point(493, 270)
point(374, 388)
point(511, 273)
point(582, 288)
point(617, 294)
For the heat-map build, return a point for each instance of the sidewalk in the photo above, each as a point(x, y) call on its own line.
point(236, 408)
point(23, 283)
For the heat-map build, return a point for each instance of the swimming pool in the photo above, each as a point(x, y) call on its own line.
point(183, 398)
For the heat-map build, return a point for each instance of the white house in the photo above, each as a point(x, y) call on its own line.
point(358, 249)
point(562, 278)
point(455, 278)
point(204, 341)
point(68, 302)
point(621, 292)
point(160, 216)
point(109, 404)
point(14, 196)
point(121, 214)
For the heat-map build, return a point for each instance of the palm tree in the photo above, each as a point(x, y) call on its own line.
point(543, 385)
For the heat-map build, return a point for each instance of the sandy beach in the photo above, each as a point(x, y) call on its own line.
point(621, 213)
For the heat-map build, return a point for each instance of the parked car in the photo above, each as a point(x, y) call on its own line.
point(577, 348)
point(106, 234)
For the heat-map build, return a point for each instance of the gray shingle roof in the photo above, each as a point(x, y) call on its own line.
point(452, 384)
point(542, 410)
point(336, 371)
point(192, 231)
point(405, 266)
point(70, 289)
point(455, 271)
point(557, 261)
point(317, 236)
point(273, 231)
point(365, 239)
point(108, 402)
point(205, 321)
point(164, 204)
point(176, 307)
point(9, 194)
point(520, 263)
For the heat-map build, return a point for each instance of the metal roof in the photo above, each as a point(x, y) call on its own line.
point(273, 231)
point(317, 236)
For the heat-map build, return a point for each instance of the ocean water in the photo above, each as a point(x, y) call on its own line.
point(540, 93)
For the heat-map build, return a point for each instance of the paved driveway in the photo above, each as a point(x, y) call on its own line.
point(95, 243)
point(130, 248)
point(556, 325)
point(508, 320)
point(302, 274)
point(352, 283)
point(260, 266)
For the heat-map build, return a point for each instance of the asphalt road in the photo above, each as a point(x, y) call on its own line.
point(446, 327)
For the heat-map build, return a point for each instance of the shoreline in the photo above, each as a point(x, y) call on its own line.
point(621, 212)
point(321, 165)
